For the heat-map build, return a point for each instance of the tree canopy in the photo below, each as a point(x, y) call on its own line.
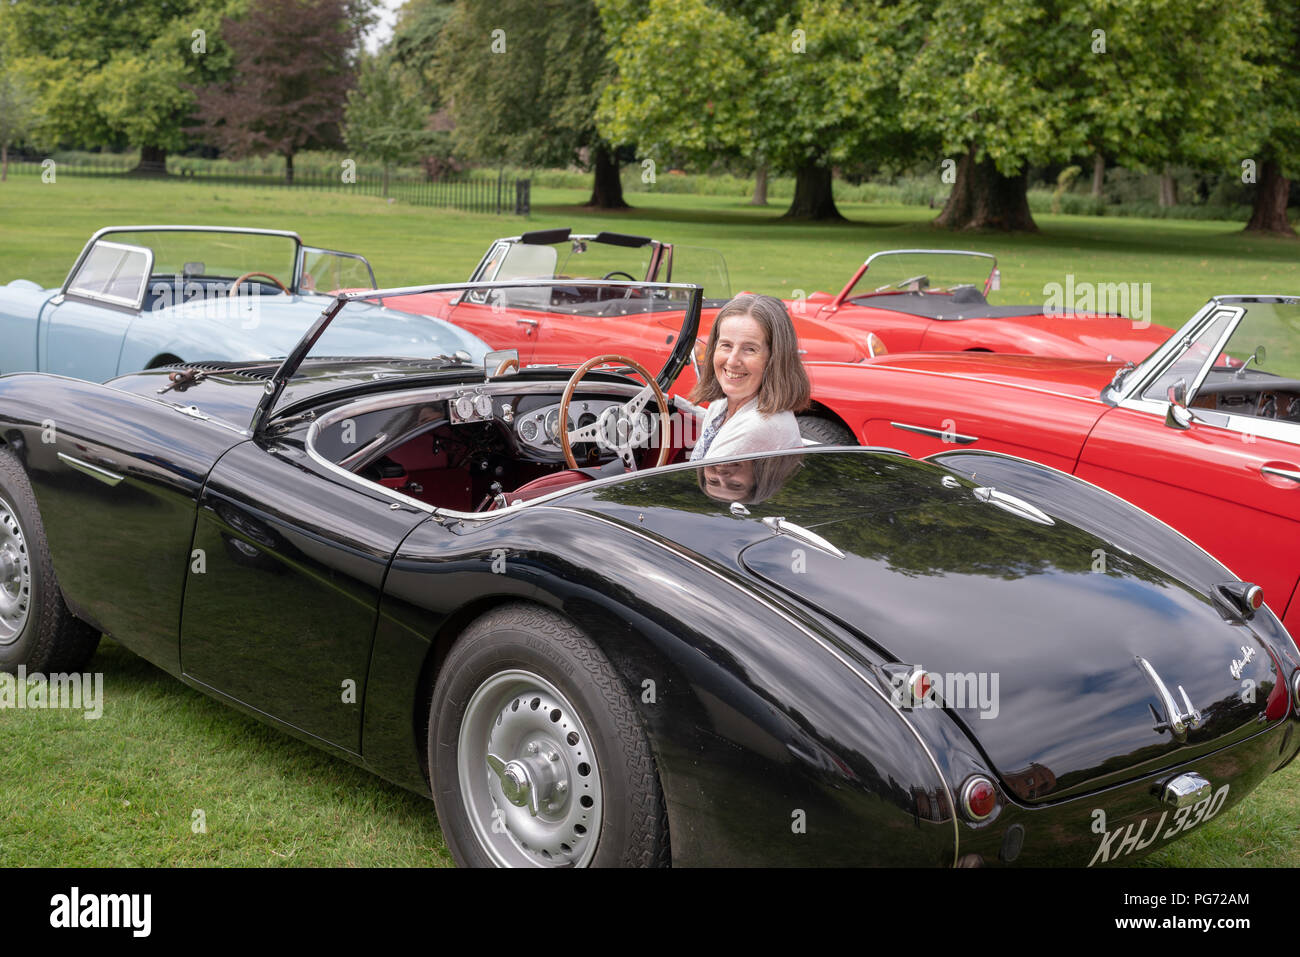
point(115, 74)
point(523, 80)
point(294, 63)
point(1008, 83)
point(801, 87)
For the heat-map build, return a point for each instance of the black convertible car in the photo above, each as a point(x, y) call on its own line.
point(590, 651)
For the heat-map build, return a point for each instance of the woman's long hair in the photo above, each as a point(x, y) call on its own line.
point(785, 385)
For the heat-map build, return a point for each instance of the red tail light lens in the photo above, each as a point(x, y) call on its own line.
point(979, 798)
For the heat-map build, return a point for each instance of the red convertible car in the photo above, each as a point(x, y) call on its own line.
point(558, 325)
point(1204, 433)
point(935, 300)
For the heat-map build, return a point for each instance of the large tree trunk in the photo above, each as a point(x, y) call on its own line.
point(288, 169)
point(760, 187)
point(1269, 215)
point(1098, 174)
point(606, 187)
point(813, 198)
point(1168, 188)
point(982, 198)
point(153, 162)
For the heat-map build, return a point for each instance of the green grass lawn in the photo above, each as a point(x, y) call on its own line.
point(123, 790)
point(44, 225)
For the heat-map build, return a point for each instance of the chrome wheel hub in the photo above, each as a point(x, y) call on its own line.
point(15, 576)
point(528, 775)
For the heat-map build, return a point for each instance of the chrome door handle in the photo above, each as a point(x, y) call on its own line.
point(94, 471)
point(952, 438)
point(1280, 473)
point(531, 322)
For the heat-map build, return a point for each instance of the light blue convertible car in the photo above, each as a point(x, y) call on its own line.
point(139, 297)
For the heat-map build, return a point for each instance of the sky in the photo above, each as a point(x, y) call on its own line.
point(379, 34)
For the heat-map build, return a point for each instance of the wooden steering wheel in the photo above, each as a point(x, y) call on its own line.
point(619, 427)
point(264, 275)
point(506, 364)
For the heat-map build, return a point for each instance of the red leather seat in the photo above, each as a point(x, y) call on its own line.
point(547, 484)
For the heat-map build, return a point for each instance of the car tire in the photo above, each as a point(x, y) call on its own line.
point(824, 431)
point(37, 631)
point(528, 709)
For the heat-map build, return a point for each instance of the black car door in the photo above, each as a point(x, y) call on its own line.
point(281, 600)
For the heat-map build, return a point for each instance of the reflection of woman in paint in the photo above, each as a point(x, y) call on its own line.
point(748, 481)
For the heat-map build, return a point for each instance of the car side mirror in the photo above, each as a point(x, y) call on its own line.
point(1178, 416)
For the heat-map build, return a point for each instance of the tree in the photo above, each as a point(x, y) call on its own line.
point(523, 81)
point(1275, 119)
point(799, 90)
point(116, 74)
point(1004, 84)
point(17, 113)
point(294, 63)
point(386, 115)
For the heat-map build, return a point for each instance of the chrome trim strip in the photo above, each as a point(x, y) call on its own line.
point(1281, 473)
point(781, 527)
point(839, 656)
point(133, 303)
point(1276, 429)
point(953, 438)
point(111, 479)
point(1013, 504)
point(360, 453)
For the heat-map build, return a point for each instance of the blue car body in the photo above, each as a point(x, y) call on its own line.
point(125, 306)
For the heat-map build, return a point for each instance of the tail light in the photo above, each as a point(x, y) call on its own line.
point(979, 798)
point(875, 347)
point(1242, 598)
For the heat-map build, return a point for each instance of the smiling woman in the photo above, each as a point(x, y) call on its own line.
point(753, 379)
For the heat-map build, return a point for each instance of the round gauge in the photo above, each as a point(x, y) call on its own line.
point(483, 405)
point(528, 430)
point(465, 407)
point(553, 425)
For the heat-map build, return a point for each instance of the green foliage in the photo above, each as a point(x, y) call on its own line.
point(387, 116)
point(415, 41)
point(17, 106)
point(115, 74)
point(1038, 81)
point(814, 85)
point(1272, 110)
point(1063, 181)
point(523, 79)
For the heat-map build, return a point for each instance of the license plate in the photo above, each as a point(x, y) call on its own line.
point(1140, 834)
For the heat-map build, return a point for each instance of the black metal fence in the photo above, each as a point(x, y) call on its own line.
point(501, 194)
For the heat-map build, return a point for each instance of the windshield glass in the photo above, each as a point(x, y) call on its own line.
point(380, 335)
point(701, 266)
point(214, 255)
point(326, 270)
point(1266, 341)
point(934, 271)
point(1262, 350)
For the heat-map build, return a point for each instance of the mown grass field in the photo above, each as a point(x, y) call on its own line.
point(123, 790)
